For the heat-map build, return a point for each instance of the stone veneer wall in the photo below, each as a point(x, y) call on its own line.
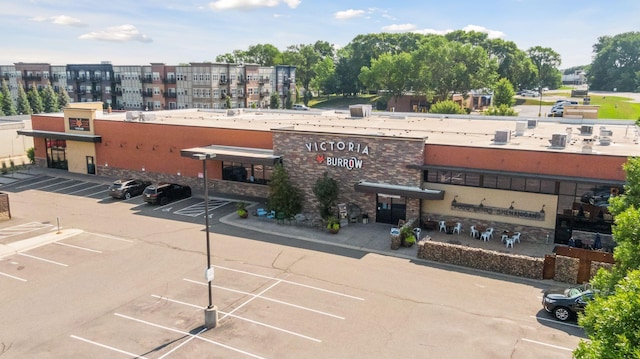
point(5, 212)
point(478, 258)
point(386, 162)
point(566, 269)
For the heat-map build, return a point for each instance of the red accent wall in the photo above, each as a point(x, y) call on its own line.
point(534, 162)
point(156, 147)
point(45, 123)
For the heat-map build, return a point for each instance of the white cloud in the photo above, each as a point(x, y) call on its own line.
point(60, 20)
point(250, 4)
point(348, 14)
point(398, 28)
point(120, 33)
point(432, 31)
point(493, 34)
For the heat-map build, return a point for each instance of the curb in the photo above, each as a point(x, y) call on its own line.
point(34, 242)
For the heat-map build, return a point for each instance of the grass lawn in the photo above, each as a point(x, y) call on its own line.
point(341, 102)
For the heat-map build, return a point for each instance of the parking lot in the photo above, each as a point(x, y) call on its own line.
point(124, 279)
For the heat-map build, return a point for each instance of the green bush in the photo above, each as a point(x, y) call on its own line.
point(333, 223)
point(502, 110)
point(4, 169)
point(410, 240)
point(447, 107)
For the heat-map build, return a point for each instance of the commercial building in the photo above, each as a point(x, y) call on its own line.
point(547, 178)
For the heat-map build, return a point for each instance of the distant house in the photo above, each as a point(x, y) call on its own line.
point(477, 100)
point(579, 77)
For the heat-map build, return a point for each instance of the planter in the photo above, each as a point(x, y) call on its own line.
point(243, 214)
point(333, 230)
point(396, 241)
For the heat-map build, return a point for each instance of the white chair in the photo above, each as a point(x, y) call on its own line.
point(490, 231)
point(516, 237)
point(486, 235)
point(457, 228)
point(504, 237)
point(442, 226)
point(510, 241)
point(473, 232)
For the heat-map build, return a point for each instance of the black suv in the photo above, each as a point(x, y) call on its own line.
point(127, 188)
point(164, 193)
point(566, 303)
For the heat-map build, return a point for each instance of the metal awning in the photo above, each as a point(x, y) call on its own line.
point(61, 136)
point(405, 191)
point(236, 154)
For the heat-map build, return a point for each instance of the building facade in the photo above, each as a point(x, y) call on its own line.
point(545, 178)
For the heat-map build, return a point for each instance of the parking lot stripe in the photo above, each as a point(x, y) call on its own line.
point(266, 298)
point(55, 184)
point(189, 334)
point(545, 344)
point(556, 321)
point(74, 185)
point(78, 247)
point(42, 259)
point(14, 277)
point(110, 237)
point(241, 318)
point(84, 189)
point(107, 347)
point(32, 183)
point(171, 204)
point(290, 282)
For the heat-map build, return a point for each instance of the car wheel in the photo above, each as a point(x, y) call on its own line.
point(127, 195)
point(164, 201)
point(562, 314)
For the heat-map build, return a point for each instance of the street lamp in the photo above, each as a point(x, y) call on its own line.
point(540, 106)
point(211, 312)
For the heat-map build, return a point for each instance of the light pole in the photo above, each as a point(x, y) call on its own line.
point(211, 312)
point(540, 105)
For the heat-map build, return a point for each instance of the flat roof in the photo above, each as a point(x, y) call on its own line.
point(533, 134)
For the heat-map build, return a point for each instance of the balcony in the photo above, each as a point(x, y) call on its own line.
point(32, 78)
point(117, 80)
point(147, 79)
point(147, 93)
point(118, 92)
point(223, 82)
point(240, 94)
point(171, 80)
point(264, 93)
point(170, 95)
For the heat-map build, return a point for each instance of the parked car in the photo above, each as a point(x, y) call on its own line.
point(531, 94)
point(566, 102)
point(127, 188)
point(300, 107)
point(565, 303)
point(164, 193)
point(556, 112)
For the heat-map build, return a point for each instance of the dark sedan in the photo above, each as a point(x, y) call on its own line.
point(566, 303)
point(127, 188)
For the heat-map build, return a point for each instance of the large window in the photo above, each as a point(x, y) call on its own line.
point(246, 172)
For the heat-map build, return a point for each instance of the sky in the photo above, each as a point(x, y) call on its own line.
point(140, 32)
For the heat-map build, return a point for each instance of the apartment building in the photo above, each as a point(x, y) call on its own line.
point(159, 86)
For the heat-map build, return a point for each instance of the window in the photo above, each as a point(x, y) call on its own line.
point(246, 172)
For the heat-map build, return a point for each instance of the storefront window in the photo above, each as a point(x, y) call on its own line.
point(246, 172)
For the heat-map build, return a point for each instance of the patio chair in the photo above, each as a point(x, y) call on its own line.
point(271, 215)
point(490, 231)
point(457, 228)
point(442, 226)
point(473, 232)
point(516, 237)
point(486, 235)
point(510, 241)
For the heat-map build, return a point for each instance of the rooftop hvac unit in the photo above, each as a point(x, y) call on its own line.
point(586, 130)
point(558, 140)
point(520, 127)
point(132, 116)
point(147, 116)
point(502, 137)
point(532, 123)
point(604, 132)
point(360, 110)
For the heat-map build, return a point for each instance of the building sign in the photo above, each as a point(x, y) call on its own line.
point(79, 124)
point(498, 211)
point(351, 150)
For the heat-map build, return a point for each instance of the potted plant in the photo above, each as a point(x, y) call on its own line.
point(407, 237)
point(333, 225)
point(409, 241)
point(241, 209)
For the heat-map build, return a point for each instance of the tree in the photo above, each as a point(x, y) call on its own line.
point(283, 197)
point(63, 97)
point(513, 63)
point(503, 94)
point(611, 320)
point(616, 63)
point(1, 98)
point(326, 191)
point(274, 101)
point(325, 80)
point(392, 73)
point(49, 99)
point(8, 107)
point(23, 106)
point(546, 61)
point(447, 107)
point(502, 110)
point(35, 101)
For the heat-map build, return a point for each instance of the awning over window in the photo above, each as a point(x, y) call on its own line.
point(61, 136)
point(405, 191)
point(235, 154)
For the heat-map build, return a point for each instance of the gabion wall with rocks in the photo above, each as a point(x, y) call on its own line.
point(566, 269)
point(478, 258)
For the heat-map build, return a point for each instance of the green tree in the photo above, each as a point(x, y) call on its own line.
point(274, 101)
point(1, 98)
point(616, 63)
point(546, 60)
point(326, 191)
point(63, 97)
point(23, 106)
point(392, 73)
point(325, 80)
point(502, 110)
point(503, 94)
point(8, 107)
point(49, 99)
point(513, 63)
point(283, 197)
point(447, 107)
point(35, 101)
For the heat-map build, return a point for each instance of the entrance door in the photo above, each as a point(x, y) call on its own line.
point(91, 167)
point(390, 209)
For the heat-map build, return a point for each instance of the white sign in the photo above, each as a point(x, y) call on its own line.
point(208, 274)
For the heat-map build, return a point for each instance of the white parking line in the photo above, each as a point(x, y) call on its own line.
point(78, 247)
point(14, 277)
point(170, 204)
point(267, 298)
point(545, 344)
point(556, 321)
point(44, 260)
point(32, 183)
point(107, 347)
point(63, 188)
point(110, 237)
point(197, 336)
point(55, 184)
point(22, 228)
point(241, 318)
point(289, 282)
point(84, 189)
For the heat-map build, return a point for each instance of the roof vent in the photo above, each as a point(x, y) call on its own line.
point(604, 132)
point(360, 110)
point(520, 127)
point(132, 116)
point(558, 140)
point(532, 123)
point(586, 130)
point(502, 137)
